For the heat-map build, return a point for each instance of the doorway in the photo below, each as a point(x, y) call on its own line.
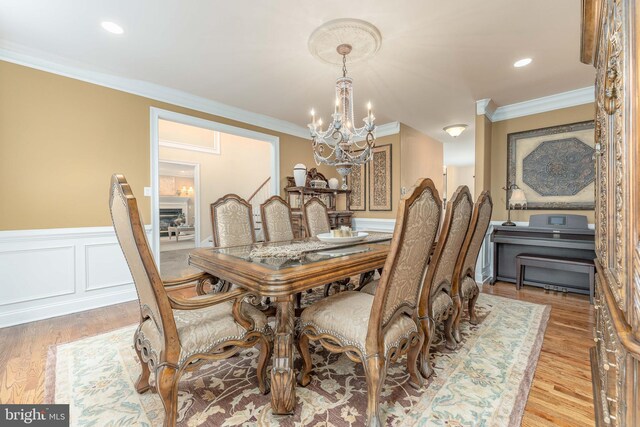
point(217, 159)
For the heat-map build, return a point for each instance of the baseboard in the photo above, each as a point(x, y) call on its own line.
point(53, 272)
point(70, 306)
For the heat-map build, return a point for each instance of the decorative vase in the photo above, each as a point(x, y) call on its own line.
point(334, 183)
point(300, 175)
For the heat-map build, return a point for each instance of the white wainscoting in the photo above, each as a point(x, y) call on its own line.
point(374, 224)
point(48, 273)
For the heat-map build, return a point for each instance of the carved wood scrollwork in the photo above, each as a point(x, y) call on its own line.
point(611, 156)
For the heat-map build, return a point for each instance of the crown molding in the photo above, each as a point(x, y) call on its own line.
point(547, 103)
point(387, 129)
point(17, 54)
point(486, 107)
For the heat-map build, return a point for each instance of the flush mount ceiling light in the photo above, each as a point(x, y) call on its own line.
point(455, 130)
point(112, 27)
point(522, 62)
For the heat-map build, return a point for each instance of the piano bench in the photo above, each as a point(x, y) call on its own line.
point(577, 265)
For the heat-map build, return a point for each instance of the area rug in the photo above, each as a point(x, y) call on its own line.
point(484, 382)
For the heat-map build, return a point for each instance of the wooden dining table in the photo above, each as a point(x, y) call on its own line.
point(280, 278)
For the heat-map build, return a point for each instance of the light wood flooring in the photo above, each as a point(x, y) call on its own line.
point(560, 395)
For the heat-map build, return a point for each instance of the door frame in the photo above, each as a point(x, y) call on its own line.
point(196, 192)
point(157, 114)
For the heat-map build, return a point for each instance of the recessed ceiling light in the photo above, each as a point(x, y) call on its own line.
point(522, 62)
point(112, 27)
point(455, 130)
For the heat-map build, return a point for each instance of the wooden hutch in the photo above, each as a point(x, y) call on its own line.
point(610, 42)
point(297, 196)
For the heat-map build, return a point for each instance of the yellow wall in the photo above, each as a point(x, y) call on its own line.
point(460, 175)
point(422, 157)
point(61, 139)
point(499, 133)
point(483, 155)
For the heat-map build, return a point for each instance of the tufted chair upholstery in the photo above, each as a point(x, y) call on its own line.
point(316, 218)
point(376, 329)
point(437, 303)
point(232, 222)
point(276, 220)
point(177, 333)
point(464, 283)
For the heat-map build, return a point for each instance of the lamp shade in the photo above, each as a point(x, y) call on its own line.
point(517, 197)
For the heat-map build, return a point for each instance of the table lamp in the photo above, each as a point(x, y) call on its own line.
point(517, 199)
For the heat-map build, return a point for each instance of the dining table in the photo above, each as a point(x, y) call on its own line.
point(280, 270)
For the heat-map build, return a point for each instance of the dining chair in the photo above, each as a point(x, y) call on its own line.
point(276, 220)
point(176, 334)
point(437, 303)
point(232, 225)
point(377, 329)
point(464, 282)
point(316, 217)
point(232, 222)
point(316, 220)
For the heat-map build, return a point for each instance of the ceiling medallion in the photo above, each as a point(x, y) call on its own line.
point(363, 37)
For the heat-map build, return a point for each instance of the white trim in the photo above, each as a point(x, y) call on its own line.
point(157, 114)
point(55, 309)
point(13, 236)
point(387, 129)
point(190, 147)
point(73, 261)
point(21, 55)
point(374, 224)
point(547, 103)
point(486, 107)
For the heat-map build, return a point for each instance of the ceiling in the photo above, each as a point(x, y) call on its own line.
point(435, 60)
point(176, 169)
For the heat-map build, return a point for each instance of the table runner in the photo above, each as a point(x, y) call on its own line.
point(296, 249)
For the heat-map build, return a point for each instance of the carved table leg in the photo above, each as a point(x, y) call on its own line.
point(283, 392)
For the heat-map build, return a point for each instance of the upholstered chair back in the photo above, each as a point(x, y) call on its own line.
point(316, 217)
point(135, 247)
point(416, 227)
point(276, 220)
point(232, 222)
point(454, 230)
point(480, 220)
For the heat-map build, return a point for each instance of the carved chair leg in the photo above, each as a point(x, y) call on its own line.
point(415, 379)
point(263, 360)
point(450, 342)
point(167, 385)
point(456, 320)
point(424, 364)
point(473, 319)
point(142, 384)
point(304, 376)
point(327, 288)
point(375, 369)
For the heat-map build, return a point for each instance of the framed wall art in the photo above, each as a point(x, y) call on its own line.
point(554, 166)
point(356, 181)
point(380, 179)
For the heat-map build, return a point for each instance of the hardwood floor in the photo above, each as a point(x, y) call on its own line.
point(560, 394)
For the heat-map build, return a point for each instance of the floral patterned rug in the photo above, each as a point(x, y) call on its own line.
point(485, 382)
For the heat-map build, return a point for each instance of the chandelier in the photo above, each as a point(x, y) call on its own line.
point(342, 144)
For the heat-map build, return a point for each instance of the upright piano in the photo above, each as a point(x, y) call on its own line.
point(565, 236)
